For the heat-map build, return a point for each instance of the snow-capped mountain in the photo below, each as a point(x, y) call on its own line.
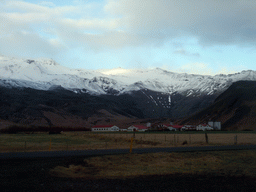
point(140, 93)
point(43, 74)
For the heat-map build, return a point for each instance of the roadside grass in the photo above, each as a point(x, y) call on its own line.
point(88, 140)
point(40, 142)
point(215, 163)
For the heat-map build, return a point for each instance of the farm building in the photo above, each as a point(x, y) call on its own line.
point(173, 127)
point(105, 128)
point(188, 128)
point(216, 125)
point(140, 128)
point(204, 127)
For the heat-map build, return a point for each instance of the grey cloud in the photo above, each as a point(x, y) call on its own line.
point(130, 23)
point(210, 21)
point(28, 44)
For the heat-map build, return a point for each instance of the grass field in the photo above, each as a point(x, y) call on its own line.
point(219, 163)
point(212, 171)
point(88, 140)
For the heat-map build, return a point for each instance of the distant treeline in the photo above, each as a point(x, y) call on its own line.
point(31, 129)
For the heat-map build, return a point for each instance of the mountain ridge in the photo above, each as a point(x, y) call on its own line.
point(123, 93)
point(44, 73)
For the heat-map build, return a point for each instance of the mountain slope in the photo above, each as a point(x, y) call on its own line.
point(235, 108)
point(60, 107)
point(148, 93)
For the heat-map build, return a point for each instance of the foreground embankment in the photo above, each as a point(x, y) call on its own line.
point(183, 171)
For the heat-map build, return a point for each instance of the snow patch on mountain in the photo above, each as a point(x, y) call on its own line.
point(45, 73)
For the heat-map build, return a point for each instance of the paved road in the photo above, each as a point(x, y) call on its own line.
point(87, 153)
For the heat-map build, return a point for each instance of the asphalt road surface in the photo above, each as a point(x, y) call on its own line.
point(88, 153)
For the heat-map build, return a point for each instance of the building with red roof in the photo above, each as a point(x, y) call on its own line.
point(140, 128)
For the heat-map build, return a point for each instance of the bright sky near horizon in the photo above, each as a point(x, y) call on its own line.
point(203, 37)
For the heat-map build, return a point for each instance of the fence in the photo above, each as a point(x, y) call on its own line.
point(90, 140)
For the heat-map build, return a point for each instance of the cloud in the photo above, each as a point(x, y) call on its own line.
point(207, 69)
point(29, 44)
point(116, 24)
point(47, 3)
point(210, 21)
point(91, 24)
point(29, 29)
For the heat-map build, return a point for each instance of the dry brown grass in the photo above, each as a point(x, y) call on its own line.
point(227, 163)
point(89, 140)
point(174, 139)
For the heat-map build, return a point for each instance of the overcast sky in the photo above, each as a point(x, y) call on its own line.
point(192, 36)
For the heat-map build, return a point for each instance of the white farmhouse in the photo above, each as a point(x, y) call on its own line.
point(204, 127)
point(140, 128)
point(173, 127)
point(216, 125)
point(105, 128)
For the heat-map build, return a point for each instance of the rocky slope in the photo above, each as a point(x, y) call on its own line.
point(235, 108)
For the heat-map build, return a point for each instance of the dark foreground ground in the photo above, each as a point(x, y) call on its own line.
point(33, 175)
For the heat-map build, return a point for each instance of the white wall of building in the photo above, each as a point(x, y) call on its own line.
point(114, 128)
point(204, 128)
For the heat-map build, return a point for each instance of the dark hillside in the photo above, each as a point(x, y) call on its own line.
point(60, 107)
point(235, 108)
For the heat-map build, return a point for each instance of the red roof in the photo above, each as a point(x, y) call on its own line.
point(173, 126)
point(102, 126)
point(177, 126)
point(140, 126)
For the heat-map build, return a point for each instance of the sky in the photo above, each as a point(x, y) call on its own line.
point(201, 36)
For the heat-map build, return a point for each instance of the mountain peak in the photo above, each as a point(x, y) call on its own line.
point(44, 61)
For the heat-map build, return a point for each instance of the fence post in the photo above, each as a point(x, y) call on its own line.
point(131, 145)
point(235, 140)
point(206, 138)
point(50, 146)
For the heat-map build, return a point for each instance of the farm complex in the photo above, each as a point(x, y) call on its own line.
point(210, 126)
